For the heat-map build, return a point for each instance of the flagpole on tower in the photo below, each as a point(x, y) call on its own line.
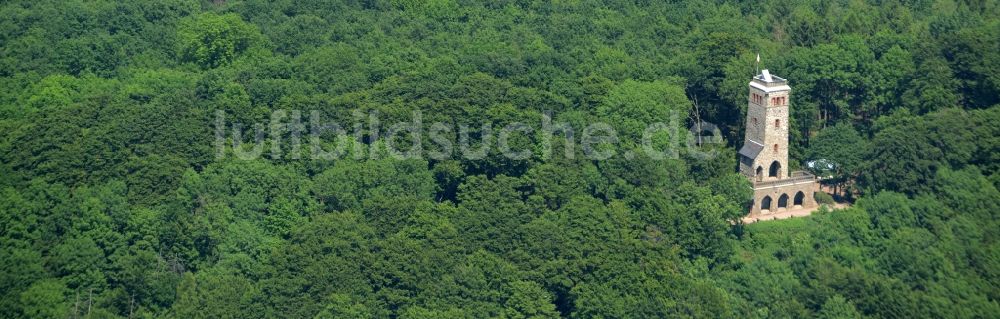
point(757, 69)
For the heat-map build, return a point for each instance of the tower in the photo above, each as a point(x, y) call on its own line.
point(764, 155)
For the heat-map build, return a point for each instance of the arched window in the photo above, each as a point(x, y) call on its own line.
point(777, 123)
point(798, 198)
point(765, 204)
point(755, 121)
point(760, 173)
point(773, 171)
point(775, 148)
point(783, 201)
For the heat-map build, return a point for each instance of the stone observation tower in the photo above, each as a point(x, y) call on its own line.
point(764, 155)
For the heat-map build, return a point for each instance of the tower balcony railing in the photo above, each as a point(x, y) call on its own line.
point(775, 81)
point(794, 178)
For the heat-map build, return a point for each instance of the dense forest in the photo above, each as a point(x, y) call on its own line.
point(115, 201)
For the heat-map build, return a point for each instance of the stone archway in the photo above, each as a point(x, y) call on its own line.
point(798, 199)
point(765, 204)
point(783, 201)
point(775, 168)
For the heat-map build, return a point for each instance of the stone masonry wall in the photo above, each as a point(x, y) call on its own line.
point(807, 187)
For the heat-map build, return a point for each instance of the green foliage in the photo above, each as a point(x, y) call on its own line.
point(45, 298)
point(386, 190)
point(838, 307)
point(930, 93)
point(327, 255)
point(113, 204)
point(212, 295)
point(632, 106)
point(849, 263)
point(824, 198)
point(906, 155)
point(211, 40)
point(842, 146)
